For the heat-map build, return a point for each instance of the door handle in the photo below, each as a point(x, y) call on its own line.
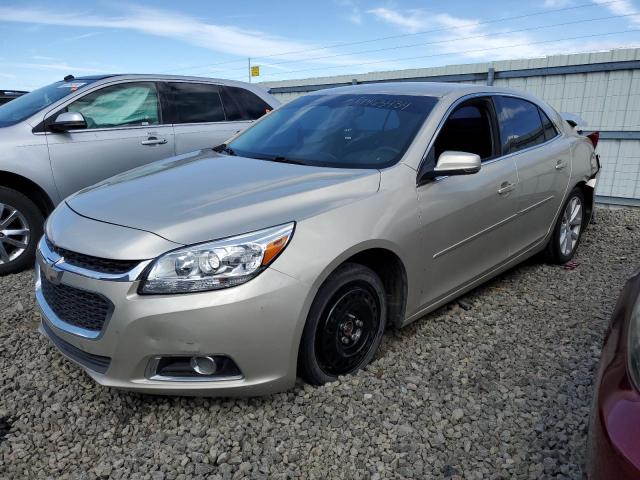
point(506, 187)
point(560, 165)
point(154, 141)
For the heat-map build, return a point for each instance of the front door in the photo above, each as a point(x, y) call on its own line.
point(465, 219)
point(124, 131)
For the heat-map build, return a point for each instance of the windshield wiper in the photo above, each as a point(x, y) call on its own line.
point(224, 148)
point(281, 159)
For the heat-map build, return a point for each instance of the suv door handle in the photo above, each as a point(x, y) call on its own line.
point(560, 165)
point(506, 187)
point(154, 141)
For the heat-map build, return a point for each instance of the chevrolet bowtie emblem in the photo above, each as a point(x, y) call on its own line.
point(51, 272)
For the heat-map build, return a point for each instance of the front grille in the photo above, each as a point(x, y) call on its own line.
point(97, 363)
point(76, 307)
point(96, 264)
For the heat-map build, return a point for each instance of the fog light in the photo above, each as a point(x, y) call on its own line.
point(204, 365)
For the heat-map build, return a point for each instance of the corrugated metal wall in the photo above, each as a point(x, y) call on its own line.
point(609, 100)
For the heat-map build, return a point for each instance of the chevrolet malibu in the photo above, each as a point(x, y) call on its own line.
point(289, 250)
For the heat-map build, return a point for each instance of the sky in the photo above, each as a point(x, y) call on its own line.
point(41, 42)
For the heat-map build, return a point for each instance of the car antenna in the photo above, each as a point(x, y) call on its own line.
point(68, 78)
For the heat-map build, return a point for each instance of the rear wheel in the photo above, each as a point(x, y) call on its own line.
point(568, 230)
point(345, 325)
point(21, 225)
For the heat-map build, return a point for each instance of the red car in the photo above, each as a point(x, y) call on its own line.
point(614, 430)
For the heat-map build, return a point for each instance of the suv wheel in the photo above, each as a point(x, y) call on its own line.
point(21, 226)
point(345, 325)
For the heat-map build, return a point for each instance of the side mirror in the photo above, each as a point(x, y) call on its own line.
point(68, 121)
point(453, 163)
point(457, 163)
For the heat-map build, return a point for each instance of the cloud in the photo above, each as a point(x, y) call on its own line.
point(220, 38)
point(451, 34)
point(43, 58)
point(55, 66)
point(352, 8)
point(410, 21)
point(168, 24)
point(557, 3)
point(621, 7)
point(82, 36)
point(469, 38)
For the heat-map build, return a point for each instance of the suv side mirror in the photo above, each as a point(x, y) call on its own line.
point(68, 121)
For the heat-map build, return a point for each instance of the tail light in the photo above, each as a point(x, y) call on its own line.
point(594, 137)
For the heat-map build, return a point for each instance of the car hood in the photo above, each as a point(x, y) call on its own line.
point(203, 195)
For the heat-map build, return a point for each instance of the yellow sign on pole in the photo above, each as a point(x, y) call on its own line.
point(255, 70)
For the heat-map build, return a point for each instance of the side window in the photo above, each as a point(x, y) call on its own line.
point(549, 129)
point(241, 104)
point(196, 103)
point(520, 124)
point(127, 104)
point(468, 129)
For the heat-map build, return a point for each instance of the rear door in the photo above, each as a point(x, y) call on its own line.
point(197, 115)
point(543, 160)
point(124, 130)
point(465, 219)
point(205, 115)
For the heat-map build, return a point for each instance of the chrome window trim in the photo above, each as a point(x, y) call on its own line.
point(52, 258)
point(460, 100)
point(152, 368)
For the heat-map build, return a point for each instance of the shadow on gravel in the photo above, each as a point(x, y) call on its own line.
point(5, 428)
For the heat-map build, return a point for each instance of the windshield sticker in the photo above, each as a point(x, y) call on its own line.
point(72, 86)
point(385, 103)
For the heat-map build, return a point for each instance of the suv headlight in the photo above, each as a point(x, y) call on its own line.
point(214, 265)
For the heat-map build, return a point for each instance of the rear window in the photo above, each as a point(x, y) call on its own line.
point(241, 104)
point(196, 103)
point(549, 129)
point(520, 124)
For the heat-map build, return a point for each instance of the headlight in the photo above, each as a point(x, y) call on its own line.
point(218, 264)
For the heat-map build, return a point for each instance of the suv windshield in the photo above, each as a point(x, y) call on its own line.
point(345, 131)
point(23, 107)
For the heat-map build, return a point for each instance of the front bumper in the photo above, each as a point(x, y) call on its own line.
point(258, 325)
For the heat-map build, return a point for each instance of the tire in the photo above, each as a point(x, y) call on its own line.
point(559, 249)
point(18, 214)
point(345, 325)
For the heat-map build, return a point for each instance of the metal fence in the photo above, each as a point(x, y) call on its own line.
point(601, 87)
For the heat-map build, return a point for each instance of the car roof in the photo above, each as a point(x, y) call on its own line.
point(161, 77)
point(431, 89)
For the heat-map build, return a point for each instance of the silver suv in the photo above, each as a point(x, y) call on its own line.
point(291, 249)
point(76, 132)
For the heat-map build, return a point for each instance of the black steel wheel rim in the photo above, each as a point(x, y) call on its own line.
point(347, 329)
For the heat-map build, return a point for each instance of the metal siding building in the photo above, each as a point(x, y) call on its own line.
point(601, 87)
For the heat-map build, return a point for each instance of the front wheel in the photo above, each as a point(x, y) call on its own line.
point(21, 225)
point(568, 229)
point(345, 325)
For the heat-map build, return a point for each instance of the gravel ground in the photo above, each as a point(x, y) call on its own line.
point(497, 385)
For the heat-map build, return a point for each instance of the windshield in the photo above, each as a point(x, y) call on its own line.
point(23, 107)
point(345, 131)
